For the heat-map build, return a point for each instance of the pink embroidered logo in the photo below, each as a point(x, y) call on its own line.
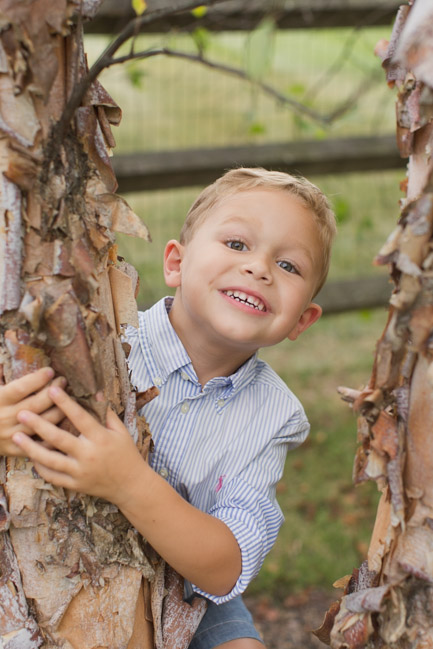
point(219, 483)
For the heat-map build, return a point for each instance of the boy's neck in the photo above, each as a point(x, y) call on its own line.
point(208, 360)
point(208, 366)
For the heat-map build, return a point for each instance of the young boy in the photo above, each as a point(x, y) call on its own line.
point(253, 253)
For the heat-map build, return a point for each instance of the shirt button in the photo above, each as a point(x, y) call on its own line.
point(157, 381)
point(163, 472)
point(220, 402)
point(184, 376)
point(185, 407)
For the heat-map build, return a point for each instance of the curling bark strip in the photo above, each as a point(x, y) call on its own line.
point(90, 579)
point(389, 600)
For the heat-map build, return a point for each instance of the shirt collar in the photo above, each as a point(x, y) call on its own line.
point(163, 348)
point(166, 354)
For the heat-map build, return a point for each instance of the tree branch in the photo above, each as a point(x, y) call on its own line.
point(228, 69)
point(131, 29)
point(299, 107)
point(107, 59)
point(348, 103)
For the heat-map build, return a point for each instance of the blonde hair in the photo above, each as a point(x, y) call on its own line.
point(245, 178)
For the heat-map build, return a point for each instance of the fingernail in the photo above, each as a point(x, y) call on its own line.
point(17, 438)
point(62, 381)
point(99, 396)
point(54, 391)
point(49, 372)
point(23, 415)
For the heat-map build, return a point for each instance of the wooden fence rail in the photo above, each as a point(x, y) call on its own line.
point(353, 295)
point(246, 15)
point(341, 296)
point(195, 167)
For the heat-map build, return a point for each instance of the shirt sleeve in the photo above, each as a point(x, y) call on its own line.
point(248, 506)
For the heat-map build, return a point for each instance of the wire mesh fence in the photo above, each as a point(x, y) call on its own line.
point(171, 104)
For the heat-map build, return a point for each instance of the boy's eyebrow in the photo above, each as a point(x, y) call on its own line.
point(230, 219)
point(308, 252)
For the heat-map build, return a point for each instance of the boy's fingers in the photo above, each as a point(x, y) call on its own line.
point(55, 477)
point(53, 415)
point(21, 388)
point(12, 450)
point(82, 420)
point(42, 401)
point(38, 453)
point(114, 422)
point(60, 439)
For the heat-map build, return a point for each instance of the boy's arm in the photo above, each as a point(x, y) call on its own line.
point(200, 547)
point(29, 392)
point(246, 501)
point(105, 462)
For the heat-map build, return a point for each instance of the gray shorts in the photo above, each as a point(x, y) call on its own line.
point(224, 622)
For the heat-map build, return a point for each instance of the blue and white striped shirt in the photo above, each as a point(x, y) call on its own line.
point(222, 448)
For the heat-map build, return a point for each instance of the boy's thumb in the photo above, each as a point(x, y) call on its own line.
point(113, 421)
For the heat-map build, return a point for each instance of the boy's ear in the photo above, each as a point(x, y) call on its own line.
point(173, 255)
point(311, 314)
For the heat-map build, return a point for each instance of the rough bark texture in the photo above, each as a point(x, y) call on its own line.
point(388, 602)
point(73, 571)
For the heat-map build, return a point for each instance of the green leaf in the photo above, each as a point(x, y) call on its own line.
point(366, 223)
point(199, 12)
point(302, 124)
point(139, 6)
point(135, 73)
point(201, 38)
point(259, 49)
point(296, 90)
point(365, 314)
point(256, 128)
point(341, 209)
point(320, 133)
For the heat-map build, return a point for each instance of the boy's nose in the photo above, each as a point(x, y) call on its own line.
point(259, 269)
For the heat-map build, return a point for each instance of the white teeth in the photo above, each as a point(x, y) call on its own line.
point(253, 302)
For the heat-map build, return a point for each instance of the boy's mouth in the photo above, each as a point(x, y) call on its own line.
point(249, 300)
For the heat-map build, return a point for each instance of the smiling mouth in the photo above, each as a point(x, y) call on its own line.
point(249, 300)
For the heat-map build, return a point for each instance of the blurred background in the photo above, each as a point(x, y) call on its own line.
point(327, 114)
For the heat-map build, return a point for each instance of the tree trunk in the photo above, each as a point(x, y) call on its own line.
point(388, 602)
point(73, 572)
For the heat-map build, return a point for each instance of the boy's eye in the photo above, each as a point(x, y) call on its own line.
point(237, 245)
point(288, 266)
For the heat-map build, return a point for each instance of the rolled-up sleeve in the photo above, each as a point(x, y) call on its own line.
point(248, 506)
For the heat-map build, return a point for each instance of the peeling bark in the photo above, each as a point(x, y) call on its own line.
point(73, 572)
point(393, 607)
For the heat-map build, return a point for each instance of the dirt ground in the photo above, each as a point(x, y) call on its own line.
point(288, 625)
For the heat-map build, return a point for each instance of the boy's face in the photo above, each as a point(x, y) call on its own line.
point(246, 278)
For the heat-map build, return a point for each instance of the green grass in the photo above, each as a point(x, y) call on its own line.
point(328, 520)
point(179, 105)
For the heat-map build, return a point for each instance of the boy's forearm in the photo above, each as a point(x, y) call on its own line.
point(104, 462)
point(200, 547)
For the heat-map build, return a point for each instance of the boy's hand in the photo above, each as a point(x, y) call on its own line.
point(104, 462)
point(101, 462)
point(30, 392)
